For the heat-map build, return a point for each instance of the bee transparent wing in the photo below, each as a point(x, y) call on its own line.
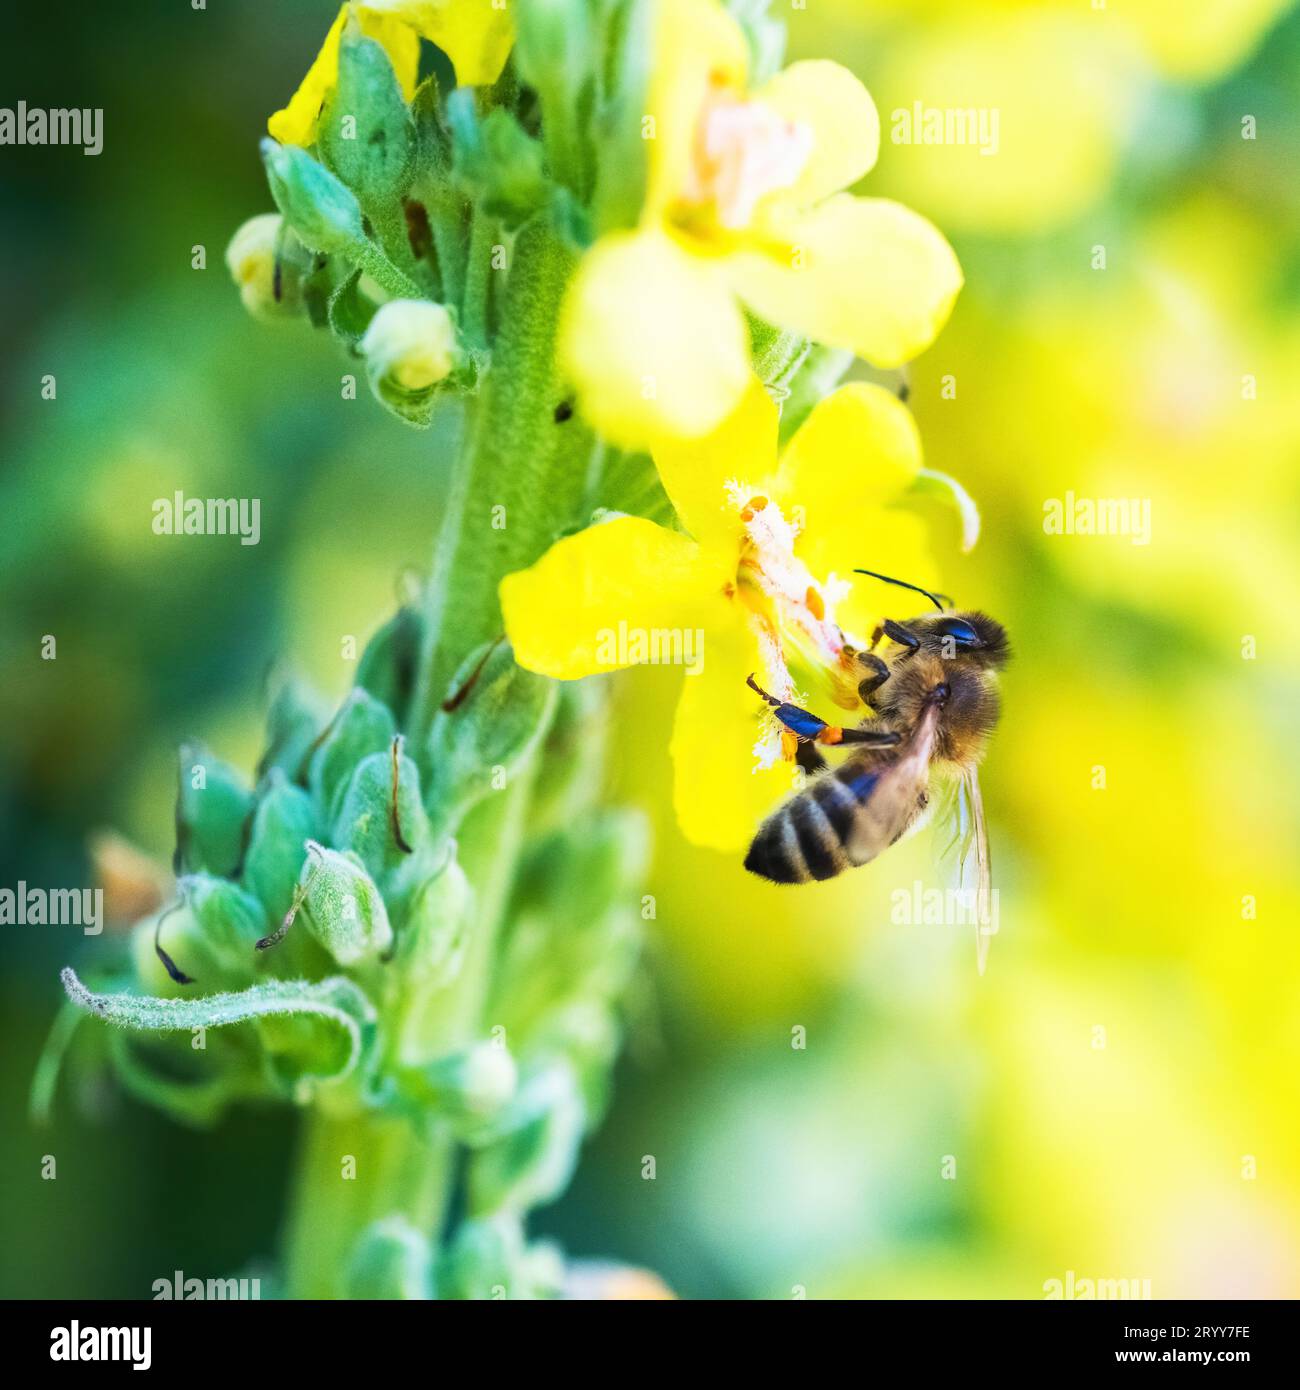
point(889, 792)
point(975, 868)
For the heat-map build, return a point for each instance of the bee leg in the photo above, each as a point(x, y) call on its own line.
point(896, 632)
point(868, 687)
point(807, 727)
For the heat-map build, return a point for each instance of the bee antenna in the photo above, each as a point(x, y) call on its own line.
point(916, 588)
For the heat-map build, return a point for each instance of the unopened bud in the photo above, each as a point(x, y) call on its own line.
point(345, 910)
point(410, 347)
point(267, 262)
point(474, 1084)
point(320, 208)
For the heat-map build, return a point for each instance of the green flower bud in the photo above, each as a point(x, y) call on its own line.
point(178, 930)
point(284, 821)
point(577, 931)
point(621, 153)
point(367, 136)
point(532, 1162)
point(207, 936)
point(556, 53)
point(496, 160)
point(390, 1260)
point(410, 347)
point(231, 919)
point(382, 818)
point(212, 811)
point(361, 727)
point(491, 722)
point(555, 47)
point(293, 723)
point(321, 209)
point(345, 910)
point(429, 956)
point(484, 1261)
point(388, 664)
point(268, 264)
point(472, 1085)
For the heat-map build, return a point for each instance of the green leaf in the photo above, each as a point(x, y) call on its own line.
point(45, 1079)
point(350, 310)
point(335, 1001)
point(196, 1094)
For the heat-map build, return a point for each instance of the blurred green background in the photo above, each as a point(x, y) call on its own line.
point(1171, 1153)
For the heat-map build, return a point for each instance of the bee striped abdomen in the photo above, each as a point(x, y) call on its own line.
point(805, 837)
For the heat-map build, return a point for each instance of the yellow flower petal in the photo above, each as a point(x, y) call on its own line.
point(476, 35)
point(889, 541)
point(838, 109)
point(718, 796)
point(579, 609)
point(296, 123)
point(695, 472)
point(860, 273)
point(699, 47)
point(653, 340)
point(858, 448)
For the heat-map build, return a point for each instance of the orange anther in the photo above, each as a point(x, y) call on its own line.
point(758, 503)
point(815, 605)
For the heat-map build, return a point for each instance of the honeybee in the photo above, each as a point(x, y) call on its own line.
point(933, 702)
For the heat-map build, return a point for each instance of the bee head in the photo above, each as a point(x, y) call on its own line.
point(975, 636)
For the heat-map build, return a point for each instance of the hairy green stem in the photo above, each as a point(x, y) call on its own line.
point(353, 1170)
point(518, 479)
point(522, 479)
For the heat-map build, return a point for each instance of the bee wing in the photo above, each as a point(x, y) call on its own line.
point(889, 792)
point(974, 857)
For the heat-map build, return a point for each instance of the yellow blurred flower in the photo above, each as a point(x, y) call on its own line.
point(474, 34)
point(1202, 41)
point(744, 202)
point(757, 587)
point(1007, 123)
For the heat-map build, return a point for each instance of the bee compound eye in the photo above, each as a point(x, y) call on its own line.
point(960, 632)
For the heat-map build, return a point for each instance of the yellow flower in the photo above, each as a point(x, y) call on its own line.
point(744, 202)
point(474, 34)
point(760, 585)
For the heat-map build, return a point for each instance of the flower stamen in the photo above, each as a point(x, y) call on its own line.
point(743, 151)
